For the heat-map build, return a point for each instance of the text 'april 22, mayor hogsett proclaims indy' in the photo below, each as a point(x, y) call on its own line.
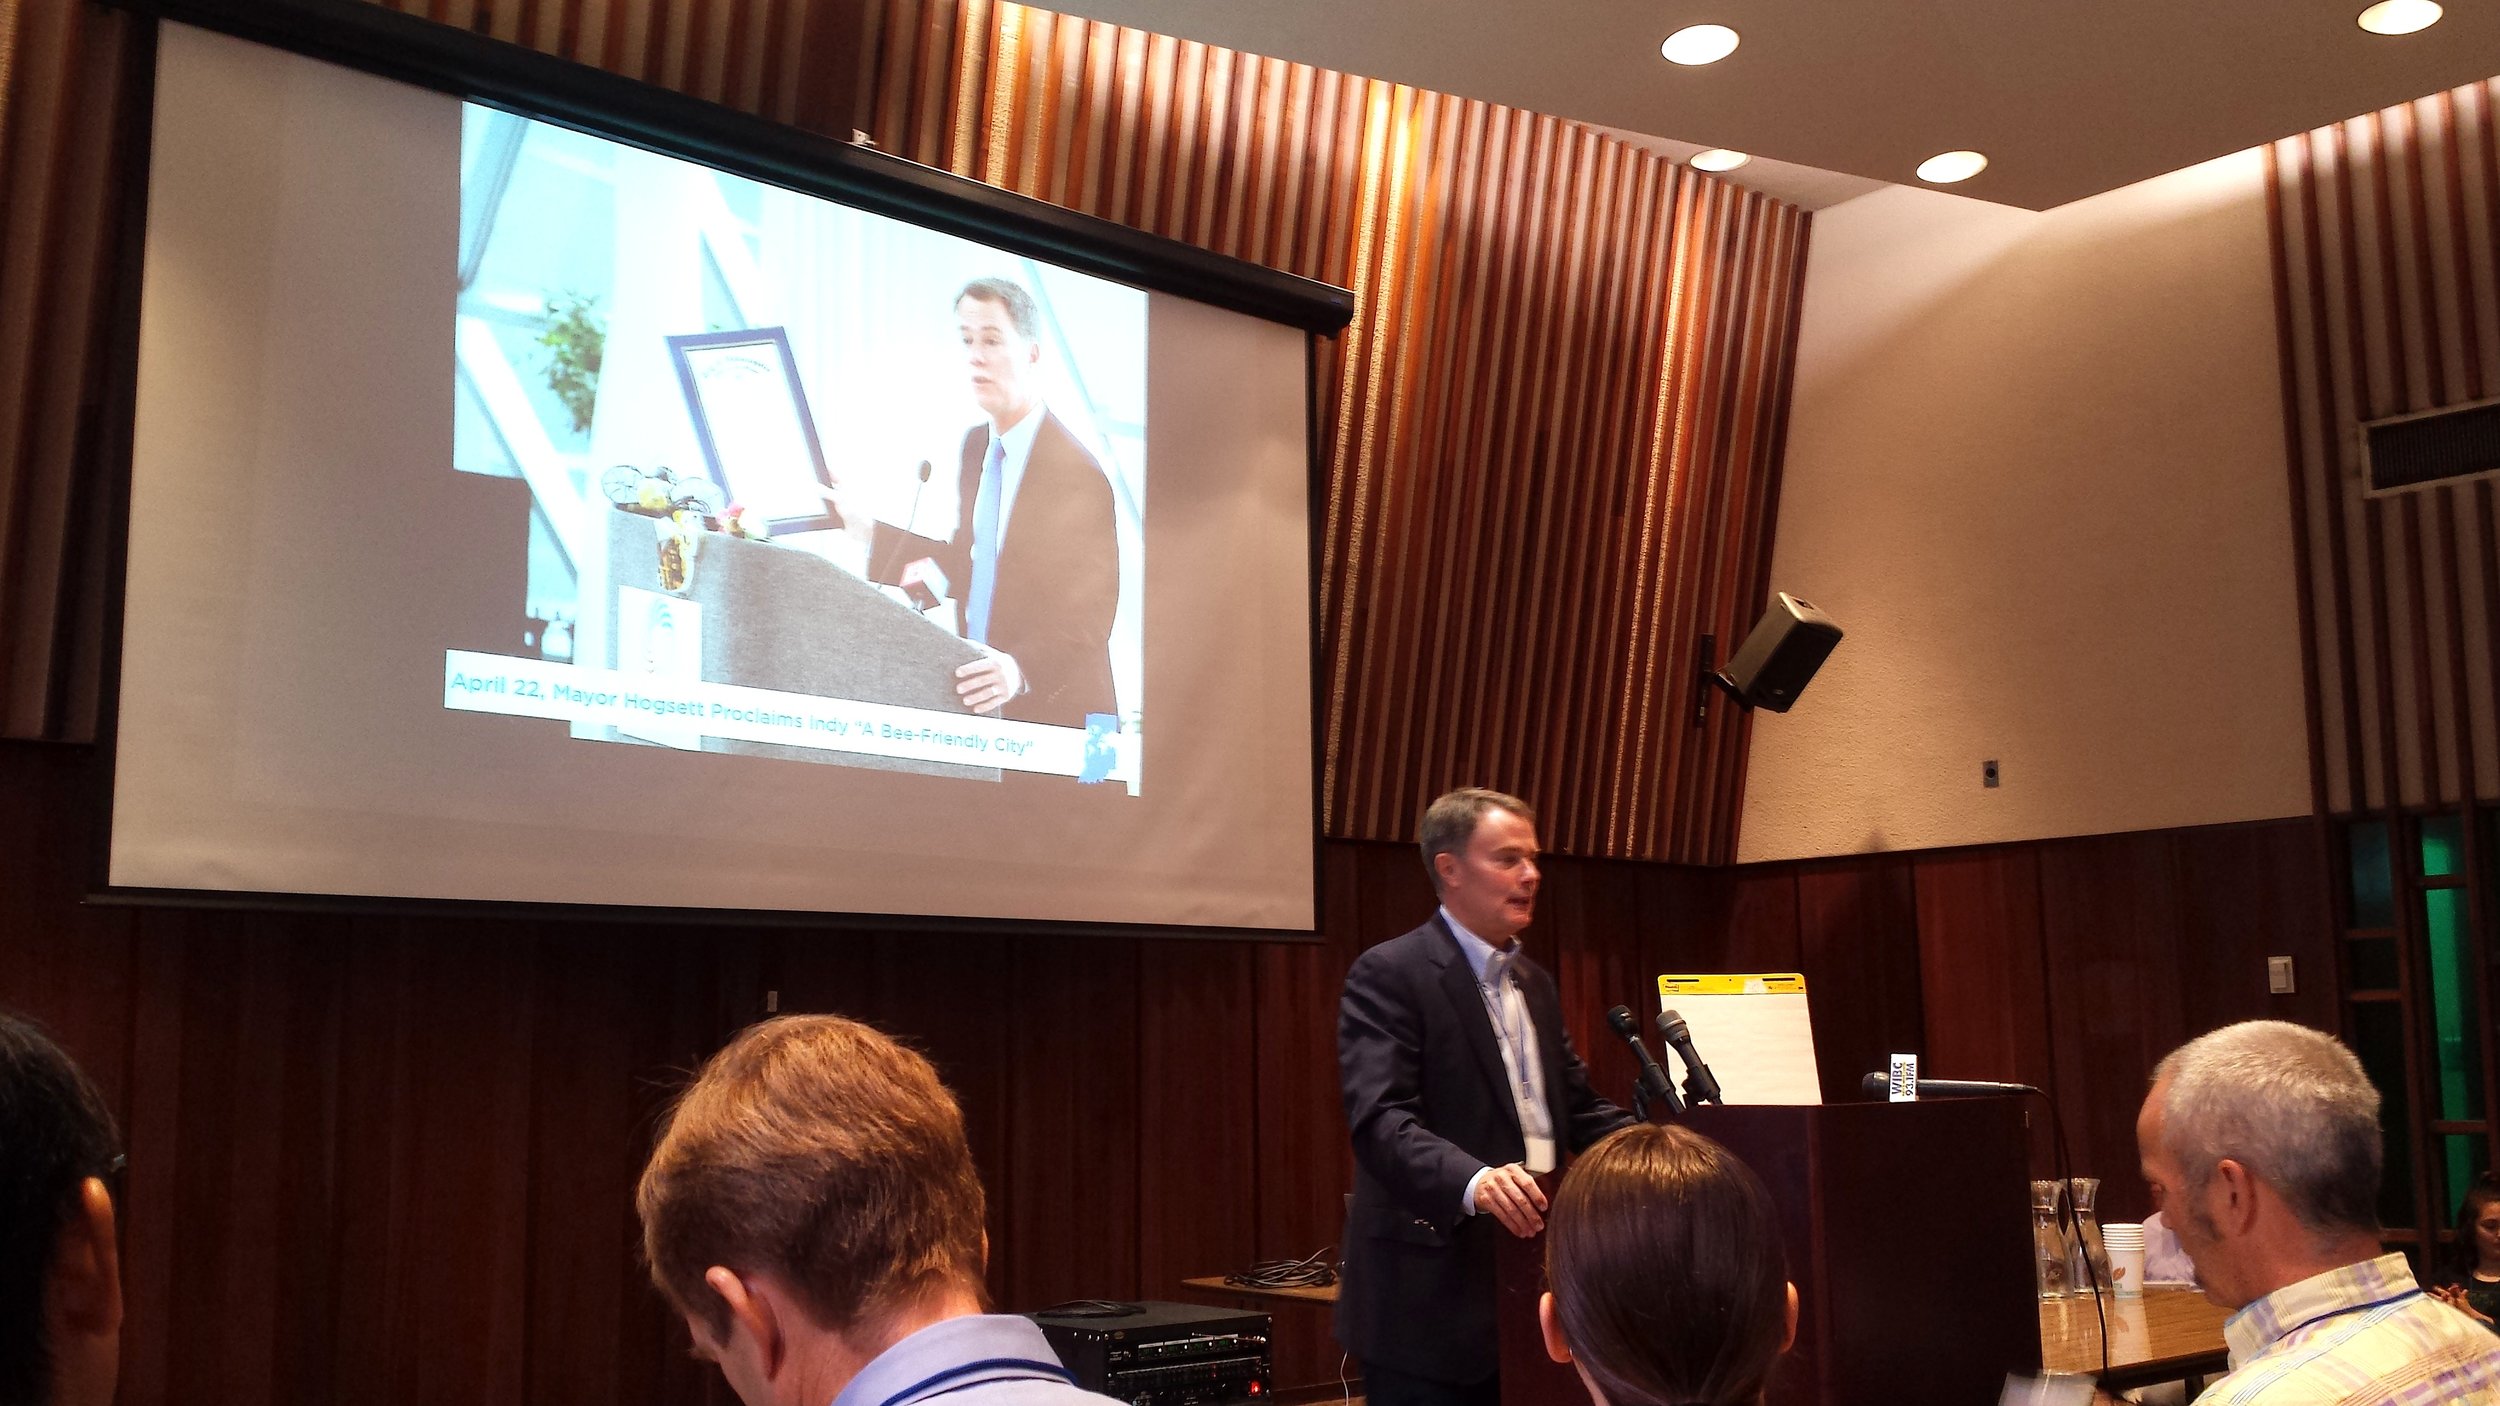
point(682, 712)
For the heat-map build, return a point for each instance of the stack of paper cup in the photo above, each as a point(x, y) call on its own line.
point(2125, 1243)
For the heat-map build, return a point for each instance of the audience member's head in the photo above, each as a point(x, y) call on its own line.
point(812, 1199)
point(1669, 1287)
point(2477, 1246)
point(2261, 1143)
point(60, 1275)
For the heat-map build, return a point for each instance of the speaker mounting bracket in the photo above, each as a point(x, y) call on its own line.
point(1712, 676)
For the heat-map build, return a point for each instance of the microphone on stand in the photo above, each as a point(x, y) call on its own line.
point(1654, 1086)
point(1699, 1086)
point(915, 495)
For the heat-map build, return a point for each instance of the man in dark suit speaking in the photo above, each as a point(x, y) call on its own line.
point(1035, 559)
point(1459, 1084)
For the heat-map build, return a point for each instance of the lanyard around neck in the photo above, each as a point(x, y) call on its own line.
point(1023, 1367)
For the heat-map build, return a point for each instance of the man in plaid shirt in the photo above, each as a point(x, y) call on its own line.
point(2261, 1142)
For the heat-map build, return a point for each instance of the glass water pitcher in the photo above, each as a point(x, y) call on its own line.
point(2087, 1260)
point(2048, 1241)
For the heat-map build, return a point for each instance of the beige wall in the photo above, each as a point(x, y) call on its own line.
point(2036, 472)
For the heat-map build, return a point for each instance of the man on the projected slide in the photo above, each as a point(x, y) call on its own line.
point(1034, 562)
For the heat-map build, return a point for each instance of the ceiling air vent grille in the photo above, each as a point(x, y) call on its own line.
point(2436, 446)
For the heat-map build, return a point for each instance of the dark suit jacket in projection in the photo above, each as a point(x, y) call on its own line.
point(1428, 1103)
point(1058, 575)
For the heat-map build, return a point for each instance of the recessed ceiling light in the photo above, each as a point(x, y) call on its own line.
point(1699, 44)
point(1951, 166)
point(2400, 16)
point(1718, 158)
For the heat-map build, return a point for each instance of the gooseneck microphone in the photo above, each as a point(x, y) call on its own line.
point(915, 495)
point(1654, 1086)
point(1879, 1085)
point(1699, 1086)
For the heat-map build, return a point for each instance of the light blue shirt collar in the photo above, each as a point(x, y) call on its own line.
point(1001, 1341)
point(1487, 961)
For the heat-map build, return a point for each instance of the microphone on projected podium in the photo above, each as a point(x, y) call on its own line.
point(1699, 1086)
point(1879, 1085)
point(915, 495)
point(1653, 1086)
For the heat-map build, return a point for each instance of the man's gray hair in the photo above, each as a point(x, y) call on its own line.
point(2289, 1103)
point(1451, 820)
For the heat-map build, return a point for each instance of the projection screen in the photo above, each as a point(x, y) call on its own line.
point(522, 515)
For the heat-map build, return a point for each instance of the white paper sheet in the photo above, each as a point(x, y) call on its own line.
point(1758, 1043)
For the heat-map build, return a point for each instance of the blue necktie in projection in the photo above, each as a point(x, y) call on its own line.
point(985, 541)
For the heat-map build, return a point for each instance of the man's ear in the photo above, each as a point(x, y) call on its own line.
point(2231, 1197)
point(1788, 1338)
point(84, 1293)
point(1551, 1327)
point(755, 1314)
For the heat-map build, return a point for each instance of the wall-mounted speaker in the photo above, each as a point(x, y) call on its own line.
point(1772, 666)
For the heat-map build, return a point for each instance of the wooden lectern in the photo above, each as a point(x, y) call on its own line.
point(779, 618)
point(1908, 1233)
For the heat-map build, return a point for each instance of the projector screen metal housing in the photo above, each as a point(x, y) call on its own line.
point(424, 55)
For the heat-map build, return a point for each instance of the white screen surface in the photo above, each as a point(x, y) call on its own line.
point(389, 633)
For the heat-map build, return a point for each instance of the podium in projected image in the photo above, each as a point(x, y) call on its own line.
point(1907, 1228)
point(772, 616)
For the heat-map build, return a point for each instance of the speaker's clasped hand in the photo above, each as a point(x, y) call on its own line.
point(1510, 1195)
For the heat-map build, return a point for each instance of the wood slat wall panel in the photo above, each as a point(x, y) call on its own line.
point(1983, 975)
point(1857, 925)
point(2253, 890)
point(2112, 934)
point(1551, 433)
point(2385, 252)
point(1197, 1057)
point(1075, 1120)
point(1304, 1162)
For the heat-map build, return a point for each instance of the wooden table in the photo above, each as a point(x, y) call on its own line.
point(1324, 1296)
point(2167, 1335)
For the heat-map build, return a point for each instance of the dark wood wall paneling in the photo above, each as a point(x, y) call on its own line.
point(393, 1157)
point(2072, 965)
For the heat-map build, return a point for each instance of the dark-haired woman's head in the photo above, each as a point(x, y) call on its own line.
point(1668, 1284)
point(60, 1285)
point(2478, 1227)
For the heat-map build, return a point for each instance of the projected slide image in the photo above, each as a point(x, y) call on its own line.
point(803, 482)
